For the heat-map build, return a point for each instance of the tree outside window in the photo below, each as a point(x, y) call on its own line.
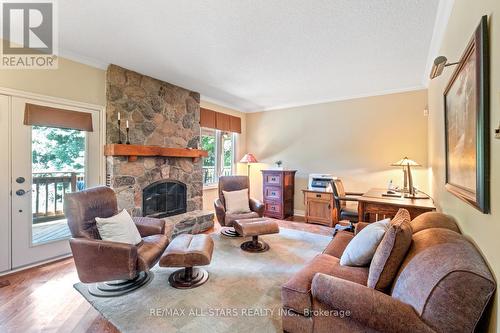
point(220, 160)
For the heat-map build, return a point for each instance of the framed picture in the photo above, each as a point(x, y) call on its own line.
point(467, 110)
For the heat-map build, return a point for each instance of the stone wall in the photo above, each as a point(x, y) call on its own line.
point(159, 114)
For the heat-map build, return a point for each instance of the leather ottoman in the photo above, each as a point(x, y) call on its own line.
point(256, 227)
point(188, 251)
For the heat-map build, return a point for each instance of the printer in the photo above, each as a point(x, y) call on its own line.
point(321, 182)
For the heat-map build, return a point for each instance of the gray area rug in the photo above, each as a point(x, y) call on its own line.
point(241, 295)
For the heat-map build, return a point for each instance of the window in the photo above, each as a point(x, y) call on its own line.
point(209, 143)
point(220, 160)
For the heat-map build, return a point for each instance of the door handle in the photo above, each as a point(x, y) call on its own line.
point(21, 192)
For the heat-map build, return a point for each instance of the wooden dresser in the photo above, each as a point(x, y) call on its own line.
point(278, 187)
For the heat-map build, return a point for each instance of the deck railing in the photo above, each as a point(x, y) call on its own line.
point(49, 189)
point(209, 175)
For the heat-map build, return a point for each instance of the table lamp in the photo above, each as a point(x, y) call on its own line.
point(406, 163)
point(248, 159)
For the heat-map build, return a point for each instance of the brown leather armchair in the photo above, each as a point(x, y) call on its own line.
point(234, 183)
point(125, 266)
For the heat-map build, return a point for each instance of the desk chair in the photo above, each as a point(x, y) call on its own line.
point(346, 206)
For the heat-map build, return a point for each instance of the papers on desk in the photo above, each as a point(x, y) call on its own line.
point(396, 195)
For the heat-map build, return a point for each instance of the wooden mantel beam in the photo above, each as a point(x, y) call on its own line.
point(133, 151)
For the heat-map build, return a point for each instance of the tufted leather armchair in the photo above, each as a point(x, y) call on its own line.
point(235, 183)
point(97, 260)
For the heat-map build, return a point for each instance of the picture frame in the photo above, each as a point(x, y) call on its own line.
point(467, 134)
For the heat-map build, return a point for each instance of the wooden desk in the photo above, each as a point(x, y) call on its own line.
point(372, 206)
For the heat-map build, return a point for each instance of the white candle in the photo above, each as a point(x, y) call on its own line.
point(118, 115)
point(127, 123)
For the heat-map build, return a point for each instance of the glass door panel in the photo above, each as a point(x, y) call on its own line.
point(58, 167)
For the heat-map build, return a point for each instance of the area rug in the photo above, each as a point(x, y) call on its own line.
point(241, 295)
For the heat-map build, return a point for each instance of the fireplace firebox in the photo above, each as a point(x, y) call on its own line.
point(164, 198)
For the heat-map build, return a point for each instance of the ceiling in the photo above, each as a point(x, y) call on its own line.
point(256, 55)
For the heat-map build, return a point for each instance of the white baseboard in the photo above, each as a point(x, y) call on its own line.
point(299, 212)
point(40, 263)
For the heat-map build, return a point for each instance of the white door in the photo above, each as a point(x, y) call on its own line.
point(46, 164)
point(4, 184)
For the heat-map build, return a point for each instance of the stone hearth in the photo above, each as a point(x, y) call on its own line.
point(193, 222)
point(159, 114)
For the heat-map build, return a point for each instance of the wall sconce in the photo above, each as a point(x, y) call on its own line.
point(438, 66)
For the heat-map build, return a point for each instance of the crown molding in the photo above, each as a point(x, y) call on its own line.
point(343, 98)
point(442, 17)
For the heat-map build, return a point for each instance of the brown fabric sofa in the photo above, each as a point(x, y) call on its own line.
point(235, 183)
point(97, 260)
point(443, 285)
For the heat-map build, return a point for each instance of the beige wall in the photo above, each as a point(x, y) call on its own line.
point(72, 80)
point(483, 229)
point(356, 140)
point(79, 82)
point(210, 193)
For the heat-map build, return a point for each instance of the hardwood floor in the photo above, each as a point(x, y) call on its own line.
point(42, 299)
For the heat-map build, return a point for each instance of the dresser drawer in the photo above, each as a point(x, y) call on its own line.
point(272, 179)
point(272, 207)
point(278, 191)
point(272, 193)
point(319, 196)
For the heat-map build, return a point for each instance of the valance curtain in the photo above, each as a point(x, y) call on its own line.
point(40, 115)
point(220, 121)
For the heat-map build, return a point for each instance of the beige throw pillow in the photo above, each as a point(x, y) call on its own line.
point(391, 252)
point(118, 228)
point(237, 201)
point(360, 250)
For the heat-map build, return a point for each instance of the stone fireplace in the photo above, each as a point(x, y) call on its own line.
point(158, 114)
point(164, 198)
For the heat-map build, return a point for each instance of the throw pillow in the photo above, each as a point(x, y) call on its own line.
point(391, 252)
point(237, 202)
point(118, 228)
point(360, 250)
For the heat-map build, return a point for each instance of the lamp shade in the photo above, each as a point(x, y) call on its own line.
point(248, 158)
point(404, 162)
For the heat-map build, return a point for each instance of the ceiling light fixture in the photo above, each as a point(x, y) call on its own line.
point(438, 66)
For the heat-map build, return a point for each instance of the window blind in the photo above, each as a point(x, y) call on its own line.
point(53, 117)
point(218, 120)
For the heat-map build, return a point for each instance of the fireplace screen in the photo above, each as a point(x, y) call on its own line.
point(164, 198)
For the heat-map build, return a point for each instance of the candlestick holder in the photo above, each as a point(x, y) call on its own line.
point(128, 141)
point(119, 132)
